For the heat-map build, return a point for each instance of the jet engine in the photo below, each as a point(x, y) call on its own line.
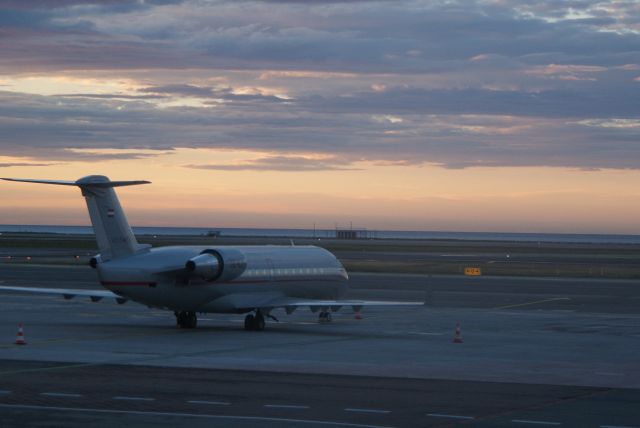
point(217, 265)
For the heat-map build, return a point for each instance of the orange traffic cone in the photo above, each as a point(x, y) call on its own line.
point(20, 336)
point(457, 337)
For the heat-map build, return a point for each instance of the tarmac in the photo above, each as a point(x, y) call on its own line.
point(535, 352)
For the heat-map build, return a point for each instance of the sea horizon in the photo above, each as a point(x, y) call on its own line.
point(331, 233)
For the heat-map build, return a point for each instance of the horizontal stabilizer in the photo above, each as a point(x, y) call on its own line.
point(29, 180)
point(113, 233)
point(83, 182)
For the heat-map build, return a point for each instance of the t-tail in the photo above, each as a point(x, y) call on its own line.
point(113, 233)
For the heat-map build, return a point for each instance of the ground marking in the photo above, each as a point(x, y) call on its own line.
point(525, 421)
point(60, 394)
point(133, 398)
point(285, 406)
point(616, 426)
point(213, 403)
point(533, 303)
point(352, 409)
point(191, 415)
point(442, 415)
point(70, 340)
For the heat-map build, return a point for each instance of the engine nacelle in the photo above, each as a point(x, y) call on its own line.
point(205, 266)
point(217, 265)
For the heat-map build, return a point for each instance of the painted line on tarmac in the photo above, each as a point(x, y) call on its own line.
point(125, 398)
point(211, 403)
point(526, 421)
point(190, 415)
point(357, 410)
point(335, 339)
point(285, 406)
point(60, 395)
point(443, 415)
point(555, 299)
point(59, 341)
point(41, 369)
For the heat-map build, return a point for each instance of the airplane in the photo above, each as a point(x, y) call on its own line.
point(252, 280)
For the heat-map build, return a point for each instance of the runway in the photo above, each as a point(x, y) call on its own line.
point(250, 398)
point(535, 352)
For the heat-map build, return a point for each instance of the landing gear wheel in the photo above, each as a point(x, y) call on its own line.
point(259, 322)
point(249, 321)
point(324, 316)
point(186, 319)
point(254, 322)
point(192, 320)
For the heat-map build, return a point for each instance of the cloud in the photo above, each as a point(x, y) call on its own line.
point(456, 83)
point(58, 129)
point(30, 164)
point(226, 93)
point(390, 37)
point(179, 89)
point(281, 163)
point(600, 101)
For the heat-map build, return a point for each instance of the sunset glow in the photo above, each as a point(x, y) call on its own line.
point(388, 115)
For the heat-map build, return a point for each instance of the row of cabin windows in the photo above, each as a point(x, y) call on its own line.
point(289, 271)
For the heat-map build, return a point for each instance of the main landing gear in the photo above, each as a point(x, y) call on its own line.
point(324, 316)
point(254, 322)
point(186, 319)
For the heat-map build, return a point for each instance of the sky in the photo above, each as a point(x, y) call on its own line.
point(496, 115)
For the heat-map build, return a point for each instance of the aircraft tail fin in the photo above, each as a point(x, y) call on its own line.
point(113, 233)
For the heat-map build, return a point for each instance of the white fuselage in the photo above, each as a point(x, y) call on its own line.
point(157, 277)
point(190, 279)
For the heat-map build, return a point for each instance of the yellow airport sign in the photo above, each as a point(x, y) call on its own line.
point(472, 271)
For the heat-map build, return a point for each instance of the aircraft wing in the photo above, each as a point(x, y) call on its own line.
point(67, 293)
point(269, 301)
